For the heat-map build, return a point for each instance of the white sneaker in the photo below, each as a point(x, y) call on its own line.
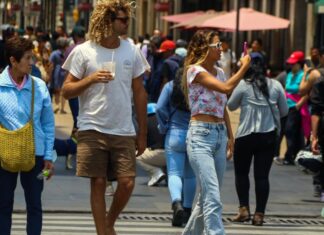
point(68, 162)
point(110, 190)
point(156, 178)
point(278, 160)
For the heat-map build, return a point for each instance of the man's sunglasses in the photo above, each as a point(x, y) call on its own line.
point(123, 19)
point(217, 45)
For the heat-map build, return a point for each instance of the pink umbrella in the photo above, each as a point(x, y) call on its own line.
point(198, 20)
point(249, 20)
point(178, 18)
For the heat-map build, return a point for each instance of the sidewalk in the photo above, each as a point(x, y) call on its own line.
point(290, 194)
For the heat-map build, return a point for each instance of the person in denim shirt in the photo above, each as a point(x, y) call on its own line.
point(15, 106)
point(209, 133)
point(172, 113)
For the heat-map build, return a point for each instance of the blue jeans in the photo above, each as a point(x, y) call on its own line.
point(33, 188)
point(206, 147)
point(181, 179)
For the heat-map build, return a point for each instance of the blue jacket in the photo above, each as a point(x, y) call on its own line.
point(15, 111)
point(167, 115)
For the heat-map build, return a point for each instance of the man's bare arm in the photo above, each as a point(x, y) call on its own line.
point(73, 87)
point(140, 102)
point(306, 84)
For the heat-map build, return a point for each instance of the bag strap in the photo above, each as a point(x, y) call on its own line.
point(273, 116)
point(32, 100)
point(274, 119)
point(272, 112)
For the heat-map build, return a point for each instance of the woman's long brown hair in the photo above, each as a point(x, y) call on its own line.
point(197, 53)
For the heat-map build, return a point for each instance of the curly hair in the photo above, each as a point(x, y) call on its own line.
point(197, 53)
point(103, 16)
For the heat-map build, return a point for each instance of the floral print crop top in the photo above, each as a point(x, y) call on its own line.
point(203, 100)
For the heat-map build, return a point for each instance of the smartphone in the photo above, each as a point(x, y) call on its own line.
point(308, 63)
point(245, 48)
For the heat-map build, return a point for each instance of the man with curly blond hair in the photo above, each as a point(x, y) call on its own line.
point(107, 140)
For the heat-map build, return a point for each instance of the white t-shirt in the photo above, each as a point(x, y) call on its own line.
point(106, 108)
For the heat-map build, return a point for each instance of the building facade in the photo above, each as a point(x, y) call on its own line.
point(305, 31)
point(45, 14)
point(20, 13)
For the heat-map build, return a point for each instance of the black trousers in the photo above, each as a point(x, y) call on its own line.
point(294, 134)
point(260, 147)
point(320, 135)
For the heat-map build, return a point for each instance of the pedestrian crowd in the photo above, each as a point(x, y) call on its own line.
point(158, 104)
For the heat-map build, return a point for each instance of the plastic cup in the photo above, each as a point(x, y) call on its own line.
point(110, 66)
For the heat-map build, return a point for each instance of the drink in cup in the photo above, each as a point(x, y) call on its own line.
point(111, 67)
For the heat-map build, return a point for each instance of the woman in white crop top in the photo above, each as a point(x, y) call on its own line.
point(206, 88)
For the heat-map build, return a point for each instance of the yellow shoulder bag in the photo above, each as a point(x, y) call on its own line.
point(17, 148)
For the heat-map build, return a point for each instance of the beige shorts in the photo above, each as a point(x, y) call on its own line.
point(105, 155)
point(153, 157)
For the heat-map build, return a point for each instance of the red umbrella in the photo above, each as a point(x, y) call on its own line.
point(249, 20)
point(178, 18)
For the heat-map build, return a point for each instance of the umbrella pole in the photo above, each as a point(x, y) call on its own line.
point(237, 36)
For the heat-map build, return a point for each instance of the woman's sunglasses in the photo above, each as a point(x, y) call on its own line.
point(123, 19)
point(217, 45)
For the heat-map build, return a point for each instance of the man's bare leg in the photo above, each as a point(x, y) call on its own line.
point(98, 204)
point(122, 194)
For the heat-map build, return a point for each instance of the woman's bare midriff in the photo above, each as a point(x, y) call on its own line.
point(206, 118)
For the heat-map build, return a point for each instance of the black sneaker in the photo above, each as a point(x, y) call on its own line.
point(317, 190)
point(186, 215)
point(178, 213)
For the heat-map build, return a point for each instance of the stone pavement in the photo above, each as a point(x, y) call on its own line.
point(290, 194)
